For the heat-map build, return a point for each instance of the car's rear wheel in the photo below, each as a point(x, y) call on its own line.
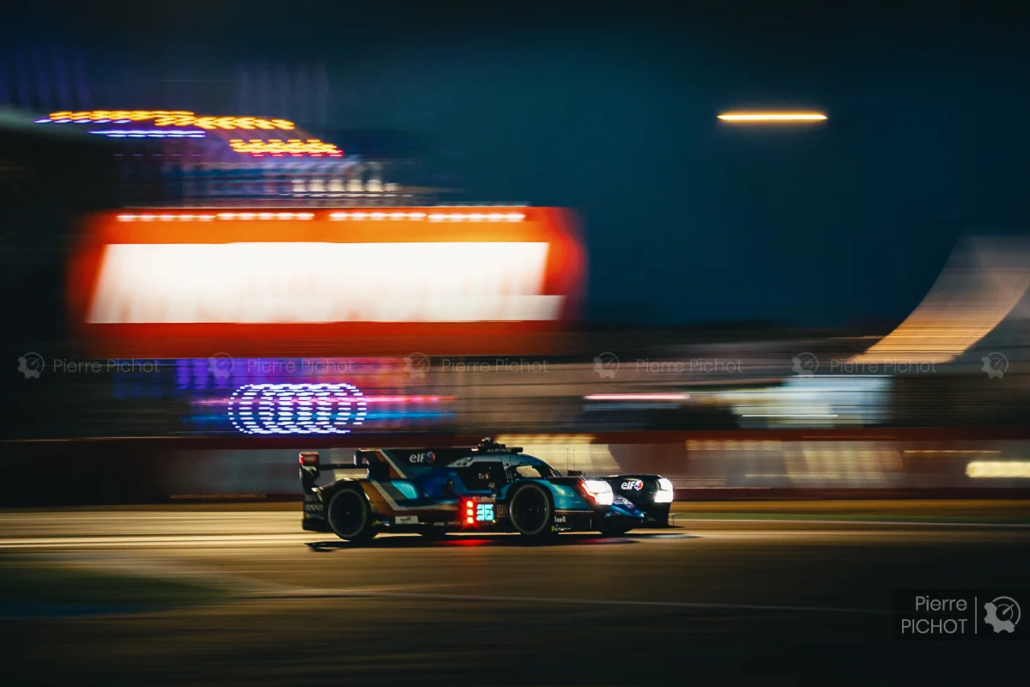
point(350, 516)
point(532, 512)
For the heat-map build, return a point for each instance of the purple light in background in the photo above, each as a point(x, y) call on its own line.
point(200, 373)
point(296, 408)
point(182, 373)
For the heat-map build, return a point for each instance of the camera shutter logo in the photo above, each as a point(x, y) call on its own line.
point(220, 365)
point(31, 365)
point(416, 365)
point(1002, 614)
point(995, 365)
point(805, 364)
point(606, 365)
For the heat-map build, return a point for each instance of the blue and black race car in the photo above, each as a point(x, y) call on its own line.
point(489, 487)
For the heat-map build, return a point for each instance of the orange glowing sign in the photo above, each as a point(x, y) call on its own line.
point(293, 146)
point(192, 283)
point(169, 118)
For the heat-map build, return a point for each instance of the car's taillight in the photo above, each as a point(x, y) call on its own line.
point(474, 512)
point(599, 491)
point(308, 471)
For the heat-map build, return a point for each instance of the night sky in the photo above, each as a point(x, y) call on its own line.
point(611, 109)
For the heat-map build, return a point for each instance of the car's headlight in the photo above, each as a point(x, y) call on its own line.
point(600, 491)
point(664, 493)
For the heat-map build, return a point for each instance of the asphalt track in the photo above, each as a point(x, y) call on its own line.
point(711, 601)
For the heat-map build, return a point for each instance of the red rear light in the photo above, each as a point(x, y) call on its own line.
point(309, 458)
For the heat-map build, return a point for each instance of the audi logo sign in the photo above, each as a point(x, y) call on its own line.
point(297, 408)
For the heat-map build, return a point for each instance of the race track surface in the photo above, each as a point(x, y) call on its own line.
point(732, 602)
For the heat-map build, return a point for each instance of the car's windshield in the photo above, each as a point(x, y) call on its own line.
point(534, 470)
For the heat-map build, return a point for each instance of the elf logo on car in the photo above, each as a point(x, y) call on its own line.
point(632, 485)
point(422, 458)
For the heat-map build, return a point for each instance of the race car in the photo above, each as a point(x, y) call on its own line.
point(487, 488)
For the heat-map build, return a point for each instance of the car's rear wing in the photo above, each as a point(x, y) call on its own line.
point(309, 459)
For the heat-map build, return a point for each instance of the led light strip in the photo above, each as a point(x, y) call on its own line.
point(220, 216)
point(152, 133)
point(277, 147)
point(266, 215)
point(637, 397)
point(297, 408)
point(432, 217)
point(772, 117)
point(334, 216)
point(166, 118)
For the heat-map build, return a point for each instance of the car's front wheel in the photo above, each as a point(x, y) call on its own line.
point(350, 516)
point(532, 512)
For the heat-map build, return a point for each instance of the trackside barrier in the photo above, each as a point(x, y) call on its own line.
point(702, 465)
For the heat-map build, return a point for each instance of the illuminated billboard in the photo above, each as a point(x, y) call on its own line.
point(437, 280)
